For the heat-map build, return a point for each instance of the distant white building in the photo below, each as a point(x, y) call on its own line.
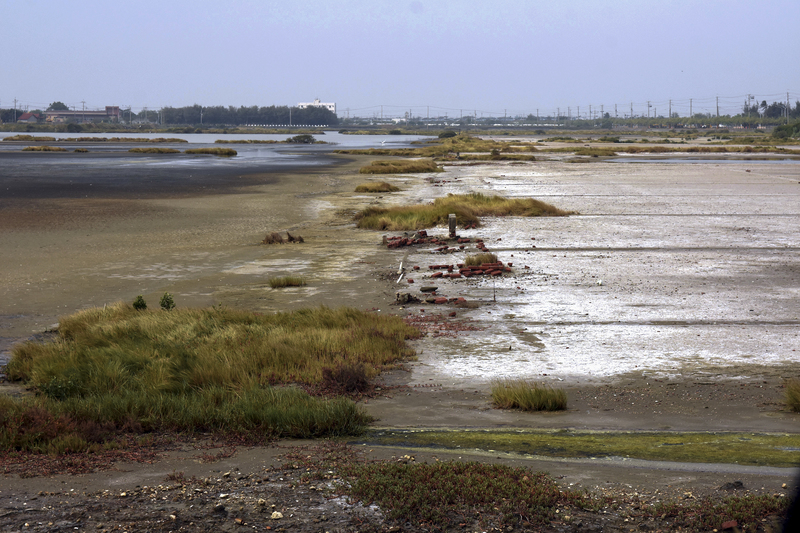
point(317, 103)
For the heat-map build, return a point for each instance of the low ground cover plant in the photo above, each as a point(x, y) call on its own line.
point(400, 167)
point(467, 208)
point(695, 447)
point(44, 149)
point(222, 152)
point(443, 495)
point(154, 150)
point(381, 186)
point(121, 369)
point(528, 396)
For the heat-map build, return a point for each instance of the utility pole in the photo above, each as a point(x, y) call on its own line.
point(631, 109)
point(690, 108)
point(590, 111)
point(670, 109)
point(615, 111)
point(537, 109)
point(579, 112)
point(428, 114)
point(83, 109)
point(15, 109)
point(558, 113)
point(602, 114)
point(648, 109)
point(717, 106)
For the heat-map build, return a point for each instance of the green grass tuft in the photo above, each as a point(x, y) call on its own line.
point(467, 208)
point(377, 187)
point(528, 396)
point(287, 281)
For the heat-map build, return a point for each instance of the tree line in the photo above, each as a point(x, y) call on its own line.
point(237, 116)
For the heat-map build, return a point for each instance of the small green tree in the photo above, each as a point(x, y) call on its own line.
point(167, 303)
point(58, 106)
point(139, 303)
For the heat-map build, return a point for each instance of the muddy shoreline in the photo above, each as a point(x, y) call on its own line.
point(202, 246)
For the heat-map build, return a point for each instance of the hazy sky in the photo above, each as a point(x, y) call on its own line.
point(487, 56)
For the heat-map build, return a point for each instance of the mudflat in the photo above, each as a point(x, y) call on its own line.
point(669, 303)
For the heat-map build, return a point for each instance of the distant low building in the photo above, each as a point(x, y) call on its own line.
point(111, 114)
point(30, 118)
point(316, 103)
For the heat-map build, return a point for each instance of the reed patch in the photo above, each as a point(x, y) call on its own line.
point(413, 166)
point(527, 396)
point(217, 370)
point(221, 152)
point(467, 208)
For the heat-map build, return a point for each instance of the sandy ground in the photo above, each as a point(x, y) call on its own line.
point(694, 326)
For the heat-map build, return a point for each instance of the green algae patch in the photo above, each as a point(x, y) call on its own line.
point(758, 449)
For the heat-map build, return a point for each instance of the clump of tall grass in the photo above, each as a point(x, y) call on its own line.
point(377, 187)
point(400, 167)
point(466, 207)
point(286, 281)
point(154, 150)
point(29, 138)
point(217, 370)
point(44, 149)
point(596, 152)
point(528, 396)
point(479, 259)
point(793, 394)
point(81, 150)
point(223, 152)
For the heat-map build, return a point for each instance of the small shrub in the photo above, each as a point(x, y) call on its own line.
point(167, 302)
point(273, 238)
point(287, 281)
point(348, 378)
point(479, 259)
point(395, 132)
point(139, 304)
point(793, 394)
point(521, 394)
point(377, 187)
point(81, 150)
point(447, 134)
point(301, 139)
